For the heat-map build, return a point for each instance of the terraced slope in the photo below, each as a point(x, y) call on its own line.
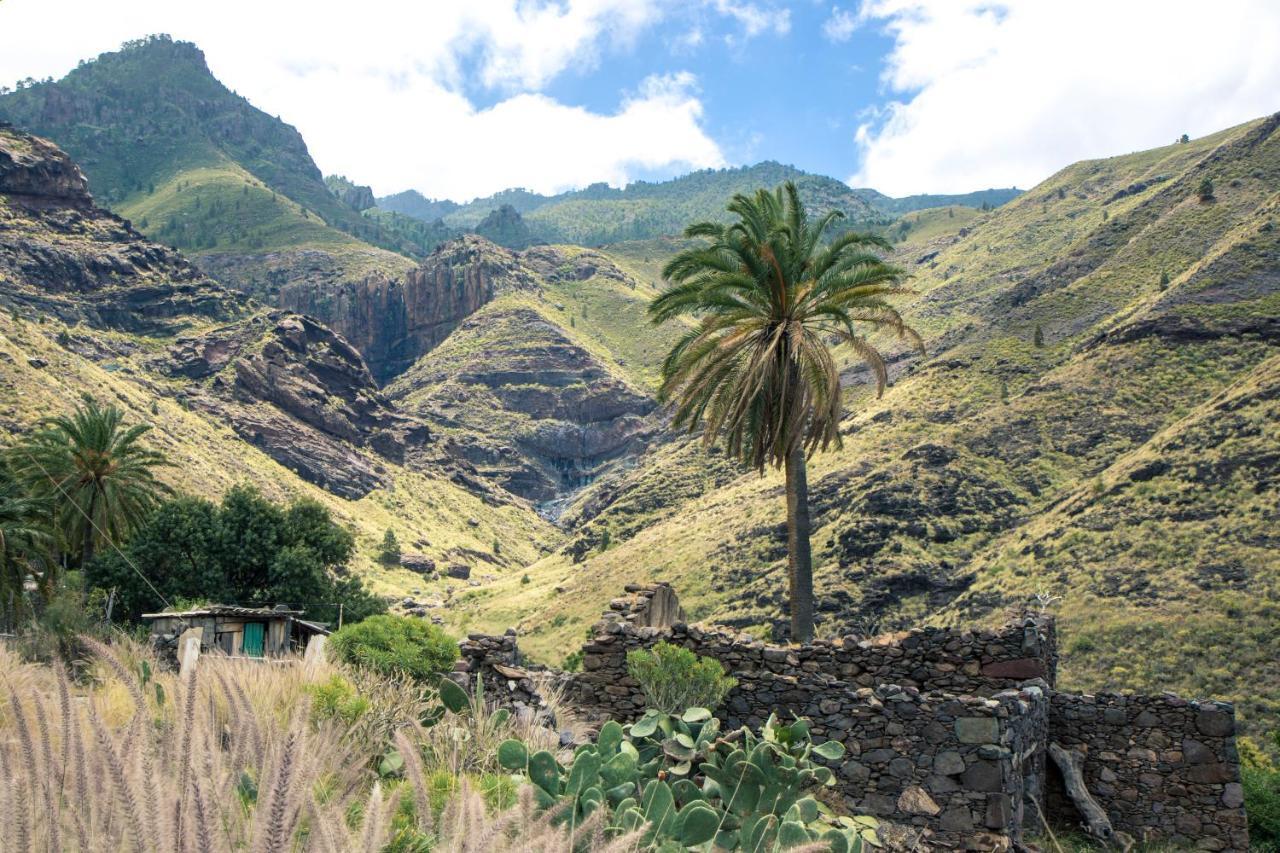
point(1149, 303)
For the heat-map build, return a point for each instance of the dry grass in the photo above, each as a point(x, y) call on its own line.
point(229, 758)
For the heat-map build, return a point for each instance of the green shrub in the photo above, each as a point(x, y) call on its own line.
point(397, 645)
point(1261, 778)
point(336, 699)
point(389, 550)
point(674, 678)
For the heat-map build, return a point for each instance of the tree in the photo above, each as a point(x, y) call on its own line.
point(389, 550)
point(756, 369)
point(95, 471)
point(246, 550)
point(1205, 190)
point(25, 542)
point(1038, 336)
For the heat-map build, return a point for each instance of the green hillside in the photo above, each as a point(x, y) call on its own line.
point(196, 165)
point(997, 468)
point(646, 210)
point(93, 308)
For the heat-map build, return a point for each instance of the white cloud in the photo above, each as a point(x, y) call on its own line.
point(840, 26)
point(1000, 93)
point(755, 19)
point(379, 92)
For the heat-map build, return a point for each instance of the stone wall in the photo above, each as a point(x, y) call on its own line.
point(957, 768)
point(1162, 767)
point(788, 679)
point(946, 730)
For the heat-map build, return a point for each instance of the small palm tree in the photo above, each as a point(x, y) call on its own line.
point(99, 477)
point(756, 368)
point(25, 542)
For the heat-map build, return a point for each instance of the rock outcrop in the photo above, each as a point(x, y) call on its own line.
point(394, 322)
point(529, 406)
point(62, 255)
point(301, 393)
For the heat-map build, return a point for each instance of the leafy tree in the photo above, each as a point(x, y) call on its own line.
point(397, 646)
point(389, 551)
point(246, 550)
point(756, 368)
point(96, 472)
point(1184, 139)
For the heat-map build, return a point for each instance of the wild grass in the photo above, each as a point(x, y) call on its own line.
point(131, 757)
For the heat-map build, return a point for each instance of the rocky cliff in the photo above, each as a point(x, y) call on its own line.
point(62, 255)
point(293, 388)
point(393, 322)
point(526, 402)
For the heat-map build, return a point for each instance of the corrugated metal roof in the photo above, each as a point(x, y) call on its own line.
point(223, 610)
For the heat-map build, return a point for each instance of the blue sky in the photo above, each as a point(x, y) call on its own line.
point(461, 98)
point(791, 95)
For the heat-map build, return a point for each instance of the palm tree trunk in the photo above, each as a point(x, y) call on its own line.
point(86, 548)
point(799, 560)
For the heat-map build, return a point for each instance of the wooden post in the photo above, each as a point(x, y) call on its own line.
point(189, 651)
point(339, 615)
point(313, 658)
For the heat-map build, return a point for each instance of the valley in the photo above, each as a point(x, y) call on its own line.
point(1093, 424)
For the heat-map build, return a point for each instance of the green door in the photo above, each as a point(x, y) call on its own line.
point(253, 639)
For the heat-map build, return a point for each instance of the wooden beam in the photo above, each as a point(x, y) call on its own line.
point(1071, 763)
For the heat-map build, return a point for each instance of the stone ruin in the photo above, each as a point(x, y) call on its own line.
point(959, 737)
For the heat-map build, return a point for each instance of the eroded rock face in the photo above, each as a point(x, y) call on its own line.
point(554, 263)
point(536, 411)
point(34, 167)
point(394, 322)
point(62, 255)
point(301, 393)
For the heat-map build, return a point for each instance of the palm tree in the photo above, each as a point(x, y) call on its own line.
point(756, 368)
point(25, 541)
point(99, 477)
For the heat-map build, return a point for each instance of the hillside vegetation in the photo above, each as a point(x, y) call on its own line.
point(645, 210)
point(198, 167)
point(1084, 326)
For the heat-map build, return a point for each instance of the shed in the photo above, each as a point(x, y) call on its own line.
point(248, 631)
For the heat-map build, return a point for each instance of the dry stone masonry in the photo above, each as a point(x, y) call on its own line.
point(947, 732)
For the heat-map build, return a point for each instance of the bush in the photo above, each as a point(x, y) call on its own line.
point(1205, 190)
point(1261, 779)
point(397, 645)
point(389, 550)
point(336, 699)
point(674, 678)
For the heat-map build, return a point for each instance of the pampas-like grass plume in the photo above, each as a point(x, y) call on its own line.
point(236, 762)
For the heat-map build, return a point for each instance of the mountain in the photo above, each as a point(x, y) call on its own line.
point(1093, 424)
point(413, 203)
point(644, 210)
point(197, 167)
point(234, 393)
point(898, 206)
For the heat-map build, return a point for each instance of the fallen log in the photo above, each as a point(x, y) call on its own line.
point(1071, 763)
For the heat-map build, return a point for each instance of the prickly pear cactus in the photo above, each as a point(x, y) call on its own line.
point(691, 788)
